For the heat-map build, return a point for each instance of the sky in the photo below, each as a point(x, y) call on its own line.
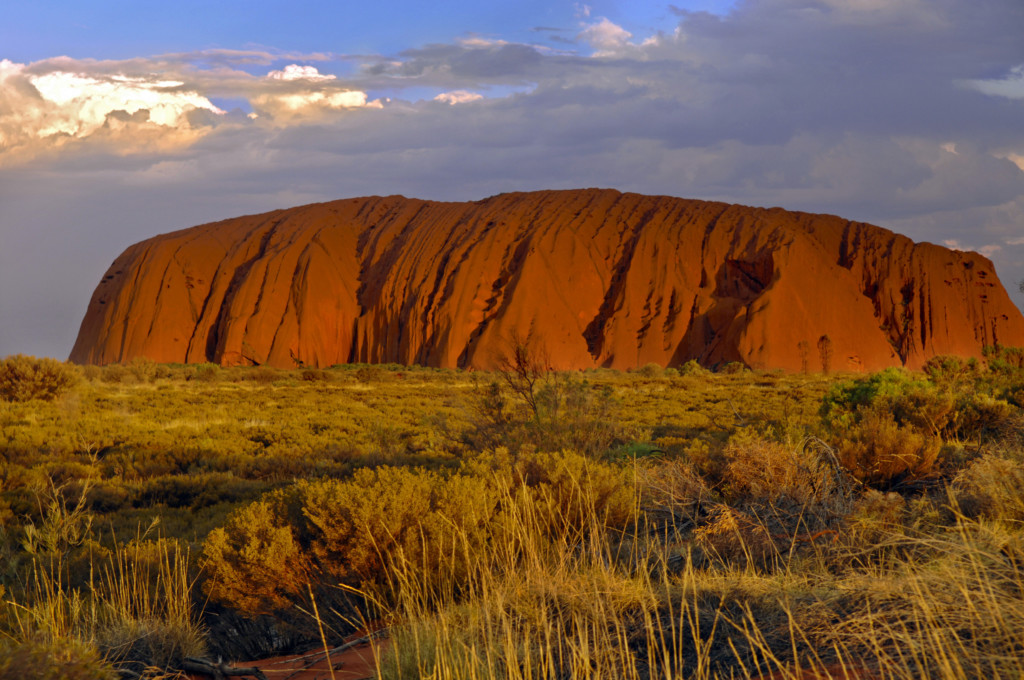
point(122, 120)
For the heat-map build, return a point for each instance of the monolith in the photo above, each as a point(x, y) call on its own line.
point(592, 277)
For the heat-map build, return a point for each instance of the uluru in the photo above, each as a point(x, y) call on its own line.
point(594, 277)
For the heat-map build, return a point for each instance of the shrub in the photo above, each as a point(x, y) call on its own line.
point(887, 427)
point(978, 416)
point(910, 401)
point(875, 517)
point(255, 562)
point(360, 527)
point(364, 530)
point(315, 375)
point(263, 374)
point(951, 372)
point(573, 493)
point(206, 373)
point(142, 369)
point(114, 373)
point(693, 368)
point(734, 537)
point(23, 378)
point(991, 487)
point(882, 454)
point(1006, 360)
point(57, 660)
point(781, 475)
point(651, 370)
point(370, 373)
point(548, 411)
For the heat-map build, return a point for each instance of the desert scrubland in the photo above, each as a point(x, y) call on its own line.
point(520, 523)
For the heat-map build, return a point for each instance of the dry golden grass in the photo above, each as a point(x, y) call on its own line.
point(655, 524)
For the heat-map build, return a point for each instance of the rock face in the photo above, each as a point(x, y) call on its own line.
point(594, 277)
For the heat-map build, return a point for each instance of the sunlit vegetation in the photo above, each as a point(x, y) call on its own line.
point(522, 523)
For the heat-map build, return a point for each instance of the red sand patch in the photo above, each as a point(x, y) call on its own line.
point(354, 663)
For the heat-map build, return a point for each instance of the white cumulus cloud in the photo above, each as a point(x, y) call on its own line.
point(162, 103)
point(290, 106)
point(605, 36)
point(54, 107)
point(82, 103)
point(458, 97)
point(310, 94)
point(296, 72)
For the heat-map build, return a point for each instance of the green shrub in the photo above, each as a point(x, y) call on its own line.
point(979, 416)
point(142, 369)
point(443, 528)
point(360, 527)
point(692, 367)
point(651, 370)
point(255, 562)
point(952, 372)
point(911, 401)
point(887, 428)
point(1005, 360)
point(554, 412)
point(23, 378)
point(114, 373)
point(206, 373)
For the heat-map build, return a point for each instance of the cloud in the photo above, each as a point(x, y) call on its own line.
point(862, 108)
point(55, 107)
point(316, 95)
point(458, 97)
point(605, 37)
point(1011, 86)
point(1015, 158)
point(81, 104)
point(136, 106)
point(986, 250)
point(297, 72)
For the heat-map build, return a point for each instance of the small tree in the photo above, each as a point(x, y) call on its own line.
point(530, 403)
point(825, 353)
point(23, 378)
point(524, 368)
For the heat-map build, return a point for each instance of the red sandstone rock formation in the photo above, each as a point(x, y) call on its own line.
point(599, 278)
